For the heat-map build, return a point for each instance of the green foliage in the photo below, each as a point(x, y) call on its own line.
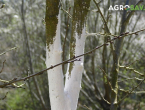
point(20, 99)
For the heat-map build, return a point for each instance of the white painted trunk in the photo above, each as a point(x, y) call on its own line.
point(64, 98)
point(55, 76)
point(73, 81)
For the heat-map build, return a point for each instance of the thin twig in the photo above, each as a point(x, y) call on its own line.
point(67, 61)
point(67, 12)
point(89, 98)
point(103, 19)
point(87, 107)
point(132, 69)
point(106, 77)
point(4, 96)
point(8, 50)
point(130, 91)
point(3, 66)
point(126, 78)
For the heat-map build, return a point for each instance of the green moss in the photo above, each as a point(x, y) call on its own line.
point(51, 20)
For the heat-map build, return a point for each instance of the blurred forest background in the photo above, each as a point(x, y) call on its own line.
point(22, 26)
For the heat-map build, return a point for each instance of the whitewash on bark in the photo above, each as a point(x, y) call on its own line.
point(64, 97)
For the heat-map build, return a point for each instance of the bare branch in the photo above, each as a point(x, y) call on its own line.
point(8, 50)
point(106, 77)
point(3, 66)
point(89, 98)
point(4, 96)
point(68, 61)
point(131, 91)
point(132, 69)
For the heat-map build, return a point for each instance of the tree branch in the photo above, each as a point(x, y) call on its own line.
point(68, 61)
